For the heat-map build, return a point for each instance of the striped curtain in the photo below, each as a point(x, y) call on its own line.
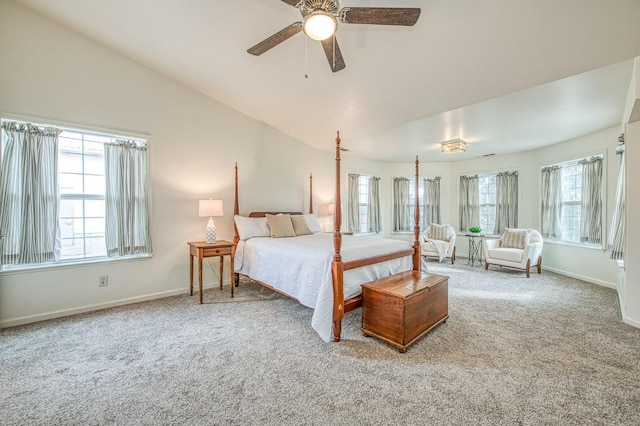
point(551, 202)
point(373, 205)
point(29, 194)
point(616, 233)
point(353, 212)
point(431, 191)
point(506, 201)
point(469, 202)
point(591, 201)
point(127, 204)
point(401, 210)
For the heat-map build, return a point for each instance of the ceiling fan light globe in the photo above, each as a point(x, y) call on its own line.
point(319, 25)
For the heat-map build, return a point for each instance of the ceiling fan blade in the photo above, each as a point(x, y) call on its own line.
point(291, 2)
point(406, 16)
point(334, 56)
point(276, 39)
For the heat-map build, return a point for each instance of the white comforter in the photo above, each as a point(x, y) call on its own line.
point(301, 267)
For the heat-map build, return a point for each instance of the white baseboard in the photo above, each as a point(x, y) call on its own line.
point(580, 277)
point(627, 320)
point(12, 322)
point(623, 312)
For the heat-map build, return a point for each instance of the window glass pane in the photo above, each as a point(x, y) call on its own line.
point(68, 162)
point(71, 228)
point(94, 164)
point(70, 208)
point(70, 183)
point(94, 208)
point(94, 227)
point(94, 184)
point(72, 248)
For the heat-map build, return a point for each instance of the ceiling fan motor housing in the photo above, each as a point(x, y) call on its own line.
point(310, 6)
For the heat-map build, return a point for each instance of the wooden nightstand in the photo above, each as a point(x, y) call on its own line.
point(220, 248)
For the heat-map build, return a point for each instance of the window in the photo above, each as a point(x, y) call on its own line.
point(489, 201)
point(572, 201)
point(70, 178)
point(571, 178)
point(487, 192)
point(82, 189)
point(363, 202)
point(404, 196)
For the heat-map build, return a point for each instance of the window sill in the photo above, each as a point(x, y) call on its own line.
point(21, 269)
point(577, 245)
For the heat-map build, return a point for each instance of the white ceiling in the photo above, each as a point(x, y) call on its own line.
point(503, 75)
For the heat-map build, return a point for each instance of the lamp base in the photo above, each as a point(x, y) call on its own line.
point(210, 234)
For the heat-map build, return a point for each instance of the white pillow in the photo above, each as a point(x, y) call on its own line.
point(313, 224)
point(249, 227)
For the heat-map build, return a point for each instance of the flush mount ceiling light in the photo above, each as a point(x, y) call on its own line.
point(453, 146)
point(319, 25)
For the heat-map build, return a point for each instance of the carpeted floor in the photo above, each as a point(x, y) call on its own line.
point(545, 350)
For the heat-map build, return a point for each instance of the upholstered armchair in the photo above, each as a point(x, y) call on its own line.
point(517, 248)
point(439, 241)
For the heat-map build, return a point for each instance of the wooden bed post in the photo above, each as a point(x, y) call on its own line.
point(416, 226)
point(236, 210)
point(310, 193)
point(337, 267)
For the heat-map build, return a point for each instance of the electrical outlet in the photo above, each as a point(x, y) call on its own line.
point(103, 280)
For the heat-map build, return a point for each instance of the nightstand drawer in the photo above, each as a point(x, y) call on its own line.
point(216, 251)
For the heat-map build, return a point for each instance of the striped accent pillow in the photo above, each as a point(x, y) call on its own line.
point(438, 232)
point(515, 238)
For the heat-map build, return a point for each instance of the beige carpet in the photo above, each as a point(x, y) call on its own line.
point(545, 350)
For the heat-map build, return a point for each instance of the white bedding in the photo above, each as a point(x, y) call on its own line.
point(301, 267)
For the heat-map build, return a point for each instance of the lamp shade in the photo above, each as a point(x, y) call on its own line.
point(210, 208)
point(319, 25)
point(332, 208)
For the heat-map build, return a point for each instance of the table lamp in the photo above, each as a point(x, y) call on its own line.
point(210, 208)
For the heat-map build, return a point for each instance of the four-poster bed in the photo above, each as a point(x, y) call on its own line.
point(306, 269)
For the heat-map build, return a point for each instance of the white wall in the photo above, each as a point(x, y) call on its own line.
point(51, 72)
point(629, 285)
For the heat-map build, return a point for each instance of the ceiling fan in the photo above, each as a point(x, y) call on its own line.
point(320, 22)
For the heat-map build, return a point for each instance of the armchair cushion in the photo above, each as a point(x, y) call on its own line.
point(515, 238)
point(439, 232)
point(506, 254)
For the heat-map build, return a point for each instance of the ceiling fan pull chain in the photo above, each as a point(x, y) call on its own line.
point(306, 58)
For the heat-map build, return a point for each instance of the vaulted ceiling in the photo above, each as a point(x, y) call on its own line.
point(503, 75)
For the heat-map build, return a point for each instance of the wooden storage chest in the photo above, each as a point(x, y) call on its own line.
point(402, 308)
